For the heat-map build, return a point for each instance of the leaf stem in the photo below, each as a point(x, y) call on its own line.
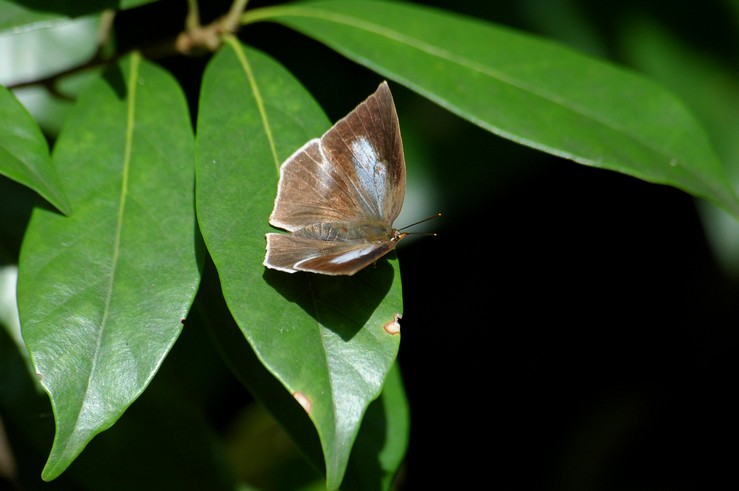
point(231, 22)
point(192, 21)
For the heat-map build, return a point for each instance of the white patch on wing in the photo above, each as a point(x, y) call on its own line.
point(372, 173)
point(326, 180)
point(352, 255)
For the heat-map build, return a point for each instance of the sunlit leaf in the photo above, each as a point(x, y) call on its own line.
point(24, 154)
point(102, 293)
point(21, 15)
point(322, 337)
point(31, 57)
point(529, 90)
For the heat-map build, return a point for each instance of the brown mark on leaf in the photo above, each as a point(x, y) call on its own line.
point(393, 327)
point(303, 400)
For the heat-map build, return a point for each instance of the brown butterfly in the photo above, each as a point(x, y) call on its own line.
point(339, 195)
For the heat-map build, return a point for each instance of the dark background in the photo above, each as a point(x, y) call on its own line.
point(569, 328)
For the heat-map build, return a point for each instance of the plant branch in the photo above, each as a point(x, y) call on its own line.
point(197, 37)
point(194, 40)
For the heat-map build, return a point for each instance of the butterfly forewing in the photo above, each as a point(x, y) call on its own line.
point(305, 180)
point(367, 152)
point(340, 194)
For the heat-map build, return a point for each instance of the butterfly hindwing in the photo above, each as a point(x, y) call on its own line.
point(291, 253)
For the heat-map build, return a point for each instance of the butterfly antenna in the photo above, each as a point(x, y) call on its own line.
point(437, 215)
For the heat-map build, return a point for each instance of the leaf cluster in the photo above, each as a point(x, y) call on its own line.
point(150, 212)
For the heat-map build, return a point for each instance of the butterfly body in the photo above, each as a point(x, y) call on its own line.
point(347, 231)
point(339, 195)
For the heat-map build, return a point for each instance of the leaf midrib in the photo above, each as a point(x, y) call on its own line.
point(130, 117)
point(238, 50)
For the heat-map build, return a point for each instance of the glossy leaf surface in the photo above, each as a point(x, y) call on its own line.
point(527, 89)
point(24, 154)
point(102, 293)
point(322, 337)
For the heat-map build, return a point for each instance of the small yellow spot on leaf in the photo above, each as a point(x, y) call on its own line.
point(393, 327)
point(303, 400)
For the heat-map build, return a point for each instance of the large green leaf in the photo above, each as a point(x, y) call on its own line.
point(701, 82)
point(322, 337)
point(102, 293)
point(527, 89)
point(24, 154)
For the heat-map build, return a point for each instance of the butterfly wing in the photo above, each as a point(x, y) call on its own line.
point(354, 173)
point(352, 177)
point(367, 151)
point(291, 253)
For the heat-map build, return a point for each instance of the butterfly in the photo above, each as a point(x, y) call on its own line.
point(339, 194)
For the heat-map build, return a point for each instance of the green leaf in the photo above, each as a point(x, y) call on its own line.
point(24, 154)
point(38, 54)
point(530, 90)
point(385, 428)
point(163, 442)
point(102, 293)
point(151, 447)
point(382, 441)
point(241, 359)
point(700, 81)
point(322, 337)
point(21, 15)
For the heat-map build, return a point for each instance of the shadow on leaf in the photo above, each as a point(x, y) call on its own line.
point(343, 304)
